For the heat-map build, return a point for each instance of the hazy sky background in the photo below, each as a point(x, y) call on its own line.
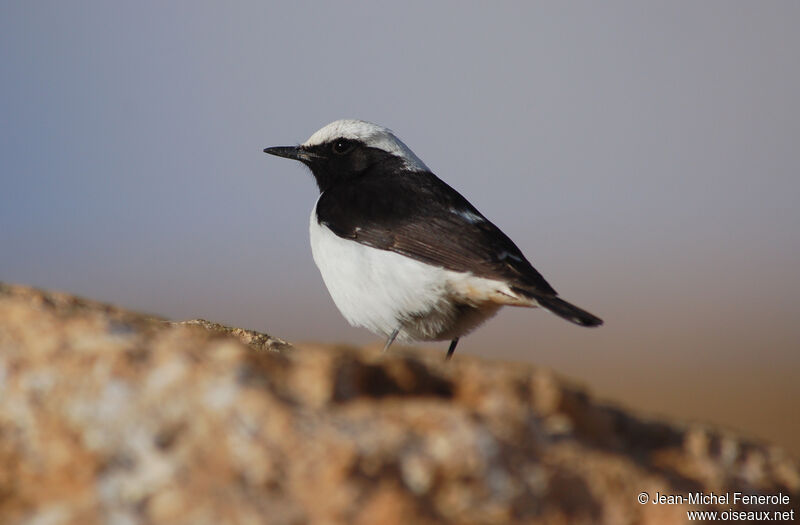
point(644, 155)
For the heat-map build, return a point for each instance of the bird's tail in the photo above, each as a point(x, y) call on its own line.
point(565, 310)
point(568, 311)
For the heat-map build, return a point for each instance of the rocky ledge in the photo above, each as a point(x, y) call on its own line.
point(108, 416)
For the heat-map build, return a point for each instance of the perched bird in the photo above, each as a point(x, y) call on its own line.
point(402, 253)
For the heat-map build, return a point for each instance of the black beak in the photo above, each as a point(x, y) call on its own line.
point(288, 152)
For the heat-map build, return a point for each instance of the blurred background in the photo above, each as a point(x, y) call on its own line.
point(644, 155)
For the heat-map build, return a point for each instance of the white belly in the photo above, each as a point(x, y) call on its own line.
point(383, 291)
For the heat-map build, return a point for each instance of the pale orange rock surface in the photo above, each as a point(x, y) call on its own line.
point(108, 416)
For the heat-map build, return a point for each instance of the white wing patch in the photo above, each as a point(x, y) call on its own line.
point(472, 218)
point(505, 255)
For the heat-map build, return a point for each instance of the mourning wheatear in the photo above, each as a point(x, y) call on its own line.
point(402, 253)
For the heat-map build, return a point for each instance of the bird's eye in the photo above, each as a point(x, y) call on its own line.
point(341, 146)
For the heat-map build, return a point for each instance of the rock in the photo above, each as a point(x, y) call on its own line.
point(107, 416)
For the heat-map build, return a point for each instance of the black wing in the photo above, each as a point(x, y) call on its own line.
point(418, 215)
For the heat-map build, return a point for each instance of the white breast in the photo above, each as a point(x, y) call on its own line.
point(382, 290)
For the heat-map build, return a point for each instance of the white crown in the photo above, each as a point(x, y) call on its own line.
point(371, 135)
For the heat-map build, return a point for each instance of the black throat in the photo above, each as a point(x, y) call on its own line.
point(330, 170)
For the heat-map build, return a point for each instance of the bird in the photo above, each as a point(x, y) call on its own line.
point(402, 253)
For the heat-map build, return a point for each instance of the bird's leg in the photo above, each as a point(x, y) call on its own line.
point(390, 340)
point(452, 349)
